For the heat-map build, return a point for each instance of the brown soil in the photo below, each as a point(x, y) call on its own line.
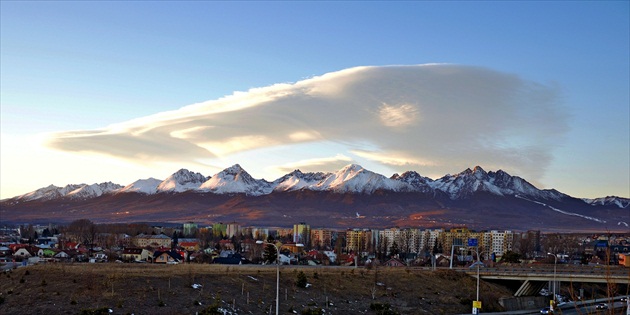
point(249, 289)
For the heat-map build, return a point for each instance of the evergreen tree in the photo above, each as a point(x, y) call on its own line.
point(175, 240)
point(301, 280)
point(511, 257)
point(394, 250)
point(270, 255)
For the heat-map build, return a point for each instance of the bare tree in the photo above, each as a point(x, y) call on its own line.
point(83, 230)
point(405, 238)
point(383, 247)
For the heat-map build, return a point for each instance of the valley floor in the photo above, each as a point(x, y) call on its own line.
point(247, 289)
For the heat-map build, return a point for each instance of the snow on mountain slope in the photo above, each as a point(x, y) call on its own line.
point(598, 220)
point(74, 191)
point(182, 180)
point(609, 200)
point(144, 186)
point(235, 179)
point(355, 179)
point(466, 183)
point(94, 190)
point(48, 193)
point(499, 183)
point(297, 180)
point(415, 180)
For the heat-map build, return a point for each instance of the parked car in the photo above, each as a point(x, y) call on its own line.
point(601, 306)
point(546, 310)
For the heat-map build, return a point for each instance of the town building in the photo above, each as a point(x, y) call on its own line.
point(301, 233)
point(160, 240)
point(321, 238)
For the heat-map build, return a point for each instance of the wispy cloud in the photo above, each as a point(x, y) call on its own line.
point(439, 118)
point(315, 165)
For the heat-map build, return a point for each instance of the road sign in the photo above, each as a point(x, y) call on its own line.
point(476, 307)
point(472, 242)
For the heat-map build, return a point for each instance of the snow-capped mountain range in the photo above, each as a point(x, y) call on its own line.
point(73, 191)
point(352, 179)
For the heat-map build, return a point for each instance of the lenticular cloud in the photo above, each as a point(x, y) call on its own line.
point(435, 118)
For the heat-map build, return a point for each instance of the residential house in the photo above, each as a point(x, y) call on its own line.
point(71, 245)
point(226, 245)
point(48, 241)
point(26, 252)
point(100, 256)
point(394, 262)
point(48, 252)
point(192, 246)
point(136, 254)
point(5, 251)
point(231, 259)
point(63, 254)
point(247, 245)
point(5, 254)
point(167, 257)
point(14, 247)
point(442, 261)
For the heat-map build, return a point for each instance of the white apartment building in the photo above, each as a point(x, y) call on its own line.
point(497, 242)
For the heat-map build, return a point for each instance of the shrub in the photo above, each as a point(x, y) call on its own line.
point(383, 308)
point(1, 299)
point(376, 306)
point(97, 311)
point(301, 280)
point(312, 311)
point(211, 310)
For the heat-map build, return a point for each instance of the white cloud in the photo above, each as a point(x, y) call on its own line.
point(395, 159)
point(399, 115)
point(438, 118)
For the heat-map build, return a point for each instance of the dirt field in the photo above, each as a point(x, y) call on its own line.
point(168, 289)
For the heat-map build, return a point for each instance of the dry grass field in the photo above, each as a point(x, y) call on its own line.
point(247, 289)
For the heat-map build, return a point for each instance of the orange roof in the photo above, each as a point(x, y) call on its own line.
point(188, 243)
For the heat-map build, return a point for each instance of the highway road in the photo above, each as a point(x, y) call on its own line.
point(569, 309)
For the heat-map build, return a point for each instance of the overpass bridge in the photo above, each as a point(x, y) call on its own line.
point(534, 278)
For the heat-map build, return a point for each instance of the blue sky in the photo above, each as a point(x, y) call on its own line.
point(68, 66)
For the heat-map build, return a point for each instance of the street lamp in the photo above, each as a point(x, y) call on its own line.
point(478, 263)
point(555, 262)
point(277, 269)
